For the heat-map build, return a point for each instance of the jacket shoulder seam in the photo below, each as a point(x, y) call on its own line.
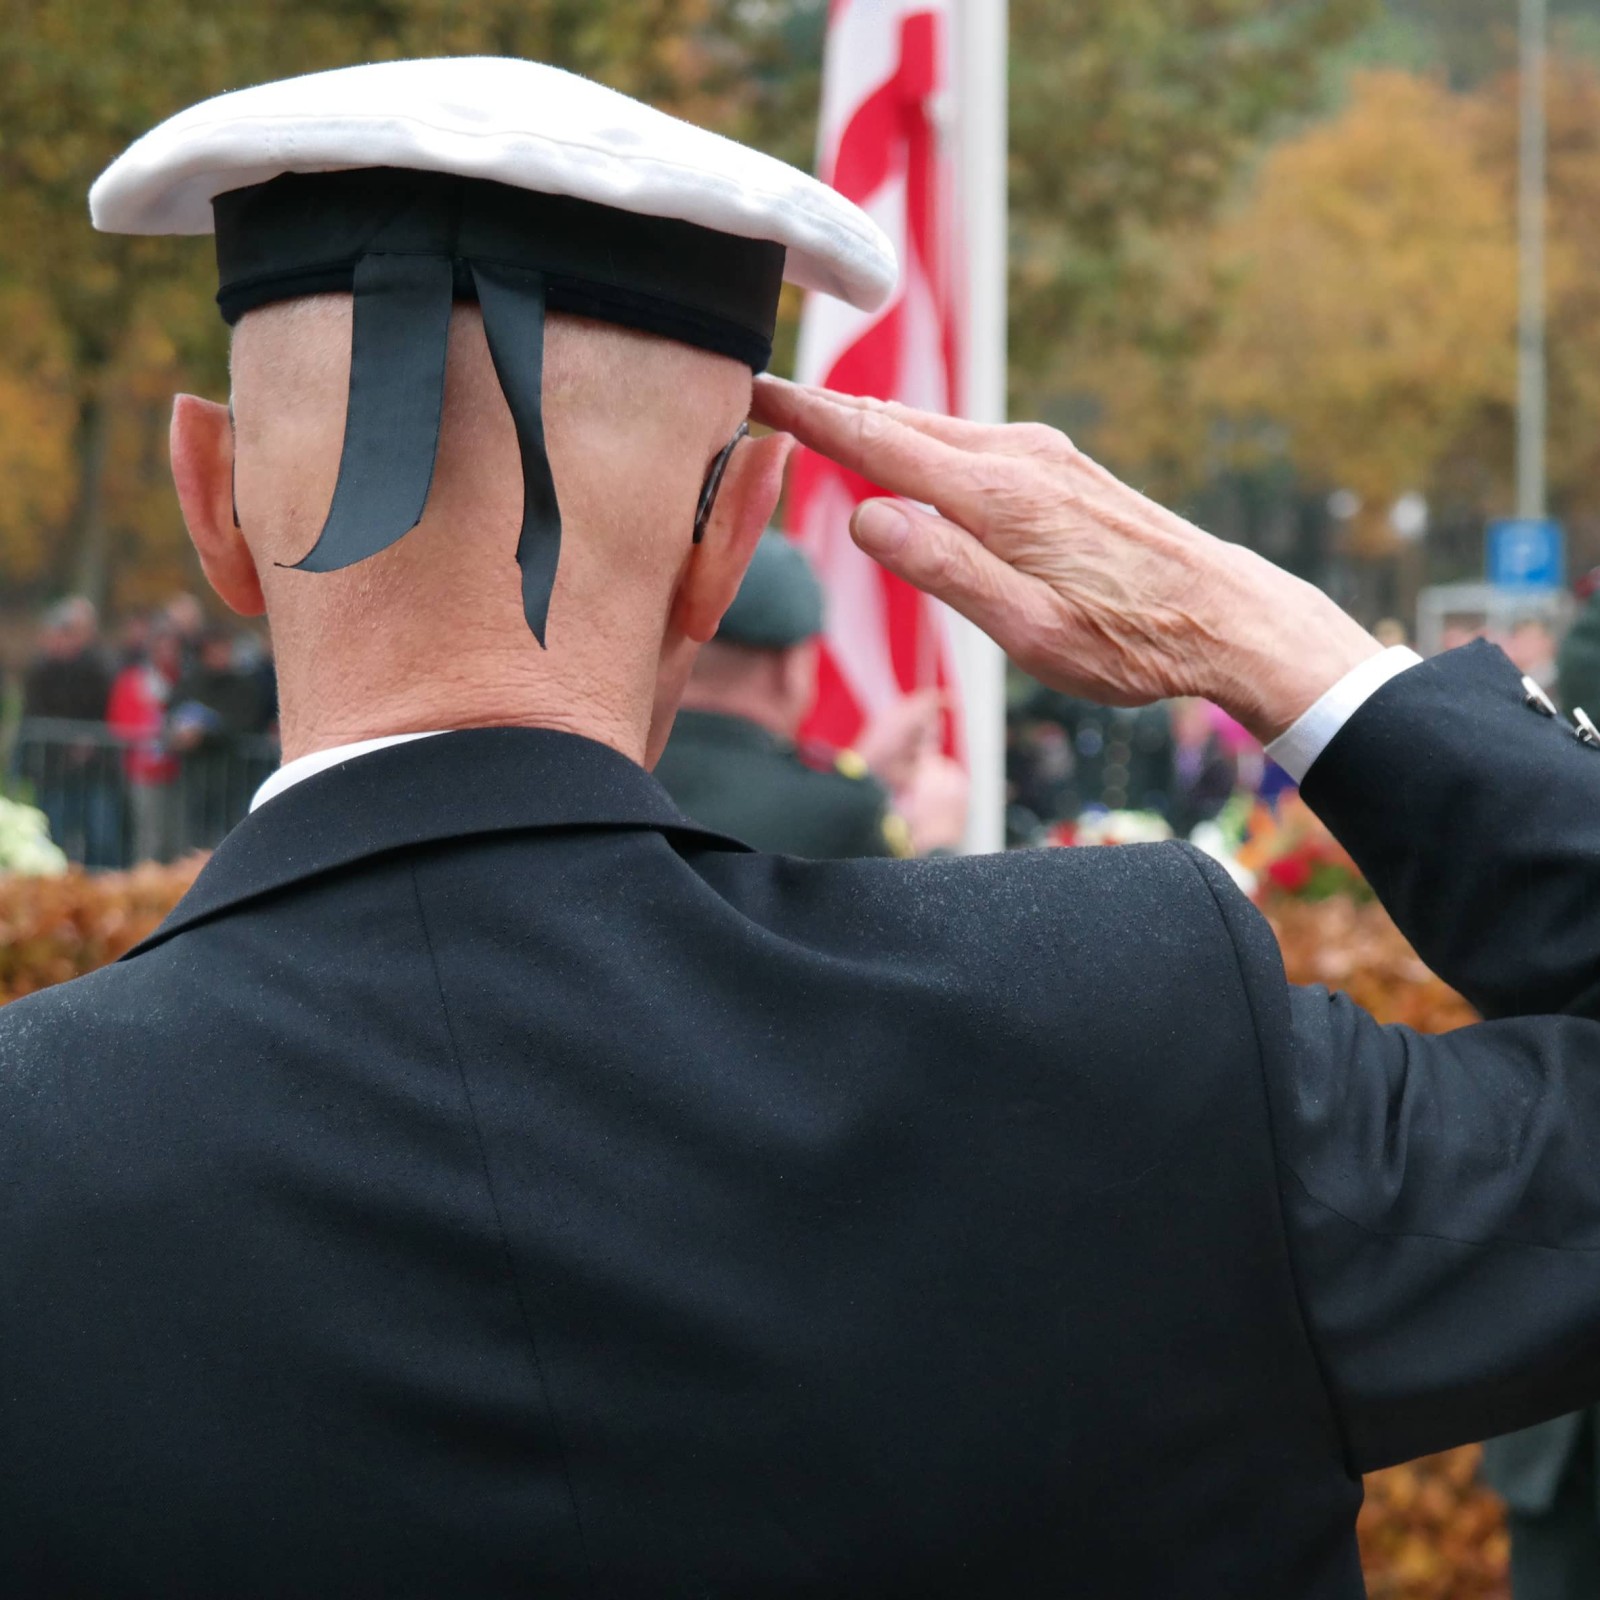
point(1278, 1163)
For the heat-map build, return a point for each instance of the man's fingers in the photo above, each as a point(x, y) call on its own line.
point(947, 562)
point(887, 452)
point(1021, 440)
point(955, 431)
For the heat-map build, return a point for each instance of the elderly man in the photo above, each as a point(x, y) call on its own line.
point(487, 1183)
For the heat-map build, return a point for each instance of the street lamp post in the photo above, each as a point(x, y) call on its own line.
point(1531, 382)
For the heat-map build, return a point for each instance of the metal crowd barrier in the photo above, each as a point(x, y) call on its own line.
point(112, 804)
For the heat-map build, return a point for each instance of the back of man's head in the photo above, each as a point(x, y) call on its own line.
point(630, 421)
point(431, 631)
point(379, 229)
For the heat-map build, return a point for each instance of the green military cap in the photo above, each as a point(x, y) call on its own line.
point(779, 604)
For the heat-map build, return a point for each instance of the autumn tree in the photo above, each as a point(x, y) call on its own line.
point(1131, 120)
point(129, 319)
point(1352, 317)
point(1375, 294)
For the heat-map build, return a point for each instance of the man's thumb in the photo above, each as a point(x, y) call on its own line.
point(941, 559)
point(881, 529)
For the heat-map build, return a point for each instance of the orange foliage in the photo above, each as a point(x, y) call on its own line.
point(1381, 290)
point(1430, 1531)
point(1354, 314)
point(53, 929)
point(1354, 946)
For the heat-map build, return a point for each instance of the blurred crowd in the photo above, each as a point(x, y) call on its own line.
point(147, 745)
point(1184, 760)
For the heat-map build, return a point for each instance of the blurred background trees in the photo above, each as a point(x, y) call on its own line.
point(101, 330)
point(1262, 248)
point(1337, 331)
point(1358, 307)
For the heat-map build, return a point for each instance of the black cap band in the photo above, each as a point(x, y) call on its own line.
point(304, 233)
point(406, 245)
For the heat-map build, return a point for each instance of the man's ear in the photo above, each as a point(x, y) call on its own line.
point(745, 504)
point(202, 471)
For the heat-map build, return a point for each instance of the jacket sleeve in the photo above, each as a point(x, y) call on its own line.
point(1477, 820)
point(1441, 1201)
point(1441, 1195)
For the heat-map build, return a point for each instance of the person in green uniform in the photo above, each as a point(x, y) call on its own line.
point(735, 762)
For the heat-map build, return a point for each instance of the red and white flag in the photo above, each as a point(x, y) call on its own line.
point(885, 144)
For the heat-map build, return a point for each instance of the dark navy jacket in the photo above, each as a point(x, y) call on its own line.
point(485, 1185)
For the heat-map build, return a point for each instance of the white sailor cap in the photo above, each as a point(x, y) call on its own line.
point(412, 184)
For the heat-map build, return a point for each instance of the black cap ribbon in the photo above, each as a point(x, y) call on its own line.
point(406, 245)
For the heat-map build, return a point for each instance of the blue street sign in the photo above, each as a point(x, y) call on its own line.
point(1526, 554)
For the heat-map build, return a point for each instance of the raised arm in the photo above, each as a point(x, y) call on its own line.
point(1475, 815)
point(1441, 1196)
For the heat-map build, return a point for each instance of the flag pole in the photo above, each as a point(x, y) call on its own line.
point(982, 82)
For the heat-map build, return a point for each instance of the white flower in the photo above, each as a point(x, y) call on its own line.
point(1210, 839)
point(25, 846)
point(1122, 827)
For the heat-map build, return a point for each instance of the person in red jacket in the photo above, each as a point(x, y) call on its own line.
point(137, 714)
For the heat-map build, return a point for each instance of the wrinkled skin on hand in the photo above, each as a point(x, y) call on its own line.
point(1085, 583)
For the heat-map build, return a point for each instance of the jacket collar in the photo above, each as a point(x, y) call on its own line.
point(479, 781)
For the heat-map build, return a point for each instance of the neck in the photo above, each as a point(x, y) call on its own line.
point(326, 703)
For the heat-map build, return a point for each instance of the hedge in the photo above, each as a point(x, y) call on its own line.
point(52, 929)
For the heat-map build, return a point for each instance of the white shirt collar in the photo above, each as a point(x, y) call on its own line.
point(303, 767)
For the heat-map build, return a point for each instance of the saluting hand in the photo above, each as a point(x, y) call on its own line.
point(1085, 583)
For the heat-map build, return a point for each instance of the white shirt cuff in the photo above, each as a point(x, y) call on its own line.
point(1297, 750)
